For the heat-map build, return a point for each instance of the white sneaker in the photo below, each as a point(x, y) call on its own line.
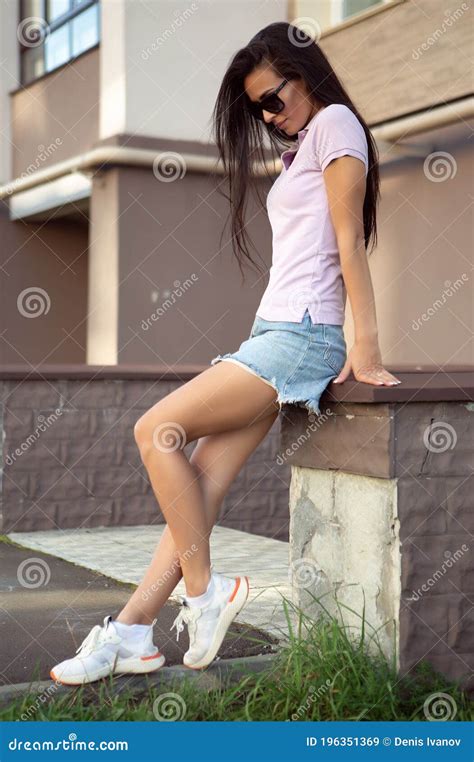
point(207, 625)
point(104, 652)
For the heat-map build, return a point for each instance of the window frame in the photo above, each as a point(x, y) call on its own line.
point(73, 12)
point(337, 23)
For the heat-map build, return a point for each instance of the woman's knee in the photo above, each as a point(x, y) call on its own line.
point(141, 431)
point(156, 431)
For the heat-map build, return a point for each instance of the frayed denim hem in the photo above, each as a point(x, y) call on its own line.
point(312, 406)
point(250, 367)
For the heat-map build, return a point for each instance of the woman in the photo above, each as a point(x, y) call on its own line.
point(322, 209)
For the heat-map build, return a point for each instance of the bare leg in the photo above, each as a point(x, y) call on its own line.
point(217, 460)
point(223, 400)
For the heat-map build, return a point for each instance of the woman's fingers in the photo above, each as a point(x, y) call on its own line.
point(377, 375)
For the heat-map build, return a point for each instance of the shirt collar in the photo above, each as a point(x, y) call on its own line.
point(303, 132)
point(291, 152)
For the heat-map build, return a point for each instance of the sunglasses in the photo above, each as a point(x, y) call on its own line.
point(270, 102)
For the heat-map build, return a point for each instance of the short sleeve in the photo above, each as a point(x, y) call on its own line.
point(338, 132)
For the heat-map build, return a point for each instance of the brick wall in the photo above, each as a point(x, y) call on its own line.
point(70, 458)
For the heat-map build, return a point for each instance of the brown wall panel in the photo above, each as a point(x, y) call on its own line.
point(56, 117)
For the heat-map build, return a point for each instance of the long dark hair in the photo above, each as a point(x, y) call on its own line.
point(239, 136)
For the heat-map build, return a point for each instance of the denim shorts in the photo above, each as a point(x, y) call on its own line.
point(298, 360)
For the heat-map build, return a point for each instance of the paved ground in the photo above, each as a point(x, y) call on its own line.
point(124, 553)
point(45, 615)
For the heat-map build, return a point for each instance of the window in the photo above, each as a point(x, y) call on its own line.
point(337, 11)
point(53, 32)
point(350, 7)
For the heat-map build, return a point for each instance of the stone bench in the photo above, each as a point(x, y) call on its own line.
point(381, 508)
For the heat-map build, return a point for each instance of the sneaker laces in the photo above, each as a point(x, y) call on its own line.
point(98, 636)
point(186, 615)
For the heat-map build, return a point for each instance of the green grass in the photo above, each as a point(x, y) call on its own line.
point(323, 672)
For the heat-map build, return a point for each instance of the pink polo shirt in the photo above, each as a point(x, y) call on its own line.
point(306, 271)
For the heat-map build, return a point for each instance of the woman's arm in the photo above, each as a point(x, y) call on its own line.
point(345, 181)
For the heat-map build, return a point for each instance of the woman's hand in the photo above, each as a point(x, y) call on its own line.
point(365, 361)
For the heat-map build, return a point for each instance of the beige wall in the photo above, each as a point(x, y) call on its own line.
point(9, 73)
point(382, 63)
point(161, 67)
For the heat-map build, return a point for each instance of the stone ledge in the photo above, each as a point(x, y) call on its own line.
point(385, 440)
point(89, 372)
point(208, 679)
